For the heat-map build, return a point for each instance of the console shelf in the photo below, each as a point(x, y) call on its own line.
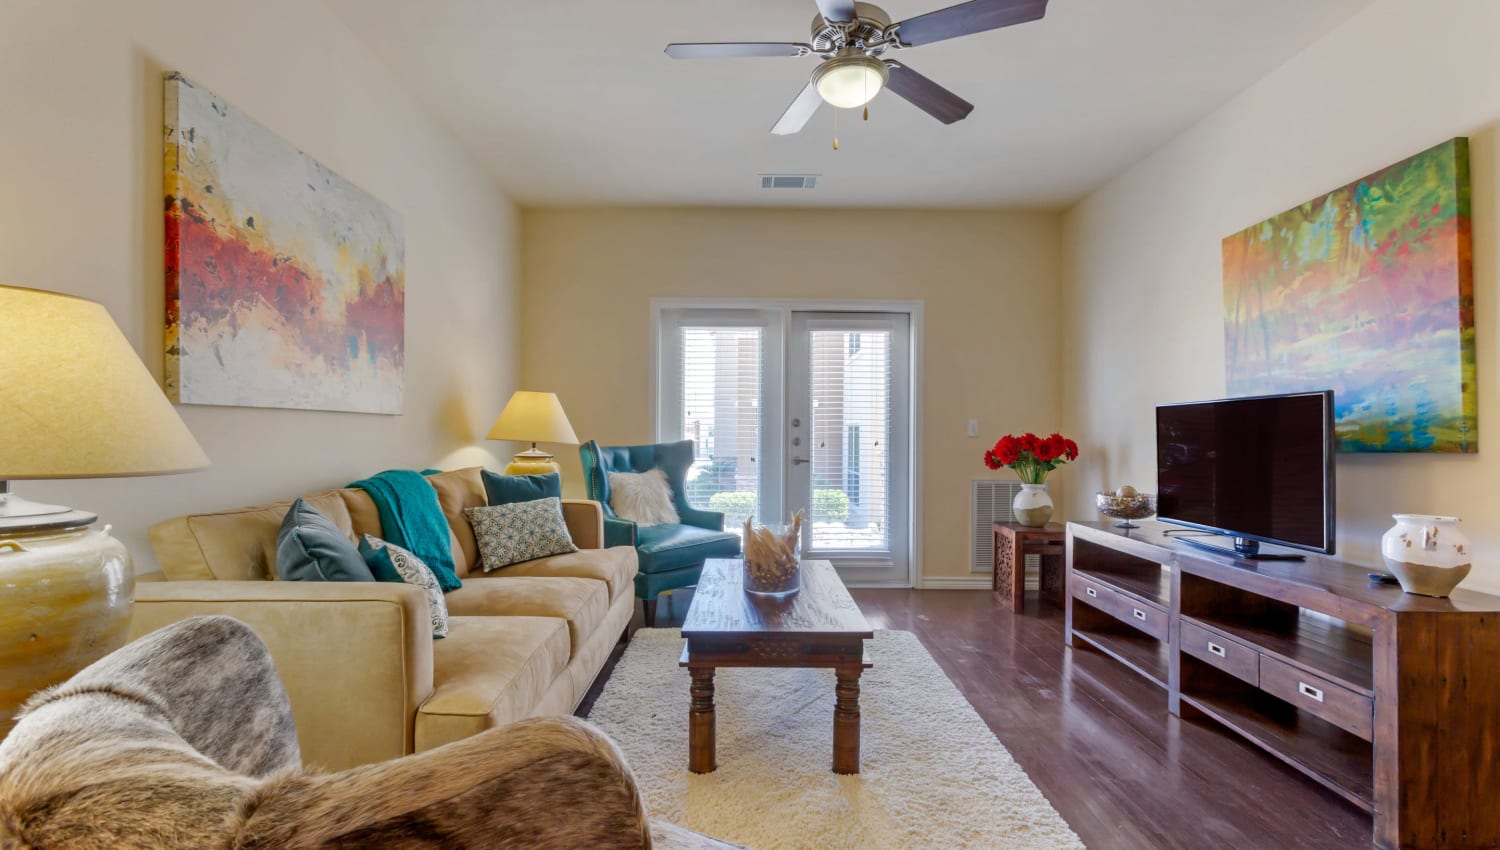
point(1155, 586)
point(1347, 681)
point(1145, 655)
point(1327, 754)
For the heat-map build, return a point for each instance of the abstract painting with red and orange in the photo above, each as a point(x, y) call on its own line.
point(1368, 291)
point(285, 282)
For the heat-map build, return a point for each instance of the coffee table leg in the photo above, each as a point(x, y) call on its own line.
point(846, 720)
point(701, 722)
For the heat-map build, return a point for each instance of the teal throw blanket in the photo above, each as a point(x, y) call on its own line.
point(411, 518)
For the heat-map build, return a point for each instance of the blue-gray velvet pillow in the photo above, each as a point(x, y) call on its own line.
point(310, 547)
point(511, 489)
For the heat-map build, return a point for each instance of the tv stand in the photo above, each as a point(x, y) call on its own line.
point(1244, 548)
point(1387, 699)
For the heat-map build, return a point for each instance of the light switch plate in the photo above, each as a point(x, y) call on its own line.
point(973, 427)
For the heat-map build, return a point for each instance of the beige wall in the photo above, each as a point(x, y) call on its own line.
point(988, 282)
point(1143, 268)
point(81, 212)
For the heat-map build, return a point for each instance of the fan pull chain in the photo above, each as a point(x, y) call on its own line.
point(836, 128)
point(867, 113)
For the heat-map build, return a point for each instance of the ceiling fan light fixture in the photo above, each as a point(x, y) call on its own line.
point(851, 79)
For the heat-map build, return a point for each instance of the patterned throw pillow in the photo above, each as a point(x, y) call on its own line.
point(390, 562)
point(521, 531)
point(643, 497)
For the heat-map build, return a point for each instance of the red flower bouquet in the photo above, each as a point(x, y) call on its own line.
point(1032, 457)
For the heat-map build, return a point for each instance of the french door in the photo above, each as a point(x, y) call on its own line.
point(798, 410)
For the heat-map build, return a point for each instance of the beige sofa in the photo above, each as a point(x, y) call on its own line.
point(366, 679)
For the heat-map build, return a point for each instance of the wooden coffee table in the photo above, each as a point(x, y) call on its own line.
point(819, 627)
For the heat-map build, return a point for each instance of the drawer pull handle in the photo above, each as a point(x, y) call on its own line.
point(1138, 613)
point(1090, 591)
point(1309, 691)
point(1215, 649)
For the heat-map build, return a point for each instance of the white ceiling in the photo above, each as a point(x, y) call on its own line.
point(573, 102)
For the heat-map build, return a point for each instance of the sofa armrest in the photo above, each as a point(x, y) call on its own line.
point(711, 520)
point(585, 519)
point(618, 532)
point(355, 657)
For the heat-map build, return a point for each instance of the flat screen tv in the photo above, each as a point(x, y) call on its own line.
point(1256, 469)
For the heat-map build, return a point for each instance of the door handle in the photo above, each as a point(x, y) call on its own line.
point(798, 461)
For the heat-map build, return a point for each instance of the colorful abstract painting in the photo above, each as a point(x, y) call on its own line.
point(1368, 290)
point(285, 282)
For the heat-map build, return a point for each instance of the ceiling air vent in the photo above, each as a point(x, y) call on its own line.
point(789, 181)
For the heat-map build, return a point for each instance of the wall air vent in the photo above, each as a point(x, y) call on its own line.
point(990, 503)
point(789, 181)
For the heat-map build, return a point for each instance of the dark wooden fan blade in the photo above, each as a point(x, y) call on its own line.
point(926, 95)
point(837, 11)
point(968, 18)
point(735, 50)
point(797, 115)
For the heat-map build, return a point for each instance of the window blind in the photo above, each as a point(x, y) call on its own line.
point(851, 424)
point(721, 396)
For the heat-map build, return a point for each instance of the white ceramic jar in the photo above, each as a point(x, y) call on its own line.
point(1428, 554)
point(1032, 506)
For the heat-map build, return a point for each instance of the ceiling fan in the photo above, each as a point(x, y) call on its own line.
point(853, 38)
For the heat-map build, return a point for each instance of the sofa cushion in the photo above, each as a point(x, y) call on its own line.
point(509, 489)
point(234, 545)
point(582, 602)
point(616, 566)
point(489, 672)
point(670, 547)
point(459, 489)
point(523, 531)
point(309, 547)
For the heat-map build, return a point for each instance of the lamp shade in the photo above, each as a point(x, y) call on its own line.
point(533, 418)
point(75, 400)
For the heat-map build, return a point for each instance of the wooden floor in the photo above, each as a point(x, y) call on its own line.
point(1098, 740)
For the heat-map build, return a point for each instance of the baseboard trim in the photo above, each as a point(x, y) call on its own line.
point(978, 582)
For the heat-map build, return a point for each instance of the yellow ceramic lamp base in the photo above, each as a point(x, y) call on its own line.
point(532, 466)
point(65, 603)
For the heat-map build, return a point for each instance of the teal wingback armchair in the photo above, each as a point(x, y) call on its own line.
point(671, 556)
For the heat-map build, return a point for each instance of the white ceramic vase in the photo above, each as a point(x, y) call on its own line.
point(1428, 554)
point(1032, 506)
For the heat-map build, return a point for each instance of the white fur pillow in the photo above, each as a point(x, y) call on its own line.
point(643, 497)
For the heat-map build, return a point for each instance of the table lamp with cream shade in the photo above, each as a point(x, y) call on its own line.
point(75, 402)
point(532, 417)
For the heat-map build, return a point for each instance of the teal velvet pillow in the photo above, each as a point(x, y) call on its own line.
point(511, 489)
point(310, 547)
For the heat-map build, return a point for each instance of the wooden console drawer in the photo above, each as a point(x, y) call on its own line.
point(1127, 609)
point(1148, 618)
point(1094, 593)
point(1227, 654)
point(1346, 709)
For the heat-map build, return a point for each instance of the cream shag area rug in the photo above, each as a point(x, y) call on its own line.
point(931, 773)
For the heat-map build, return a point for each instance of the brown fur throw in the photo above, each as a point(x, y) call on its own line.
point(184, 739)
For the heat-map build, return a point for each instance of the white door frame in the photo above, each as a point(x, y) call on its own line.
point(785, 307)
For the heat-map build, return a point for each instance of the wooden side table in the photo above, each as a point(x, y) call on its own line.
point(1013, 542)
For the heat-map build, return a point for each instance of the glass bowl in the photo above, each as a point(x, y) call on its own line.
point(1126, 508)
